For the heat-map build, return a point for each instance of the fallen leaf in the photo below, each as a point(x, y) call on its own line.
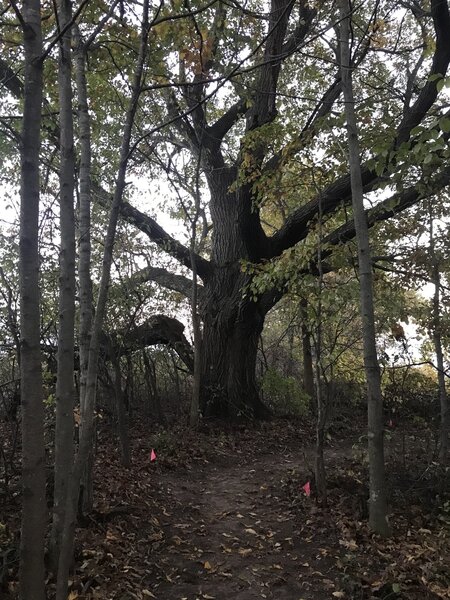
point(338, 594)
point(251, 531)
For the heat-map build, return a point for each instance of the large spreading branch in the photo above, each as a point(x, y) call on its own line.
point(441, 59)
point(276, 49)
point(296, 226)
point(390, 207)
point(10, 80)
point(385, 210)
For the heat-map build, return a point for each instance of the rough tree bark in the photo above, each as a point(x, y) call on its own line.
point(65, 387)
point(34, 508)
point(378, 503)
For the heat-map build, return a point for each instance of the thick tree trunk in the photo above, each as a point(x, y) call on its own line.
point(232, 323)
point(34, 509)
point(230, 342)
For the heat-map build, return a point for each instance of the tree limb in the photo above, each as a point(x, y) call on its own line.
point(171, 281)
point(390, 207)
point(222, 126)
point(441, 59)
point(297, 224)
point(156, 233)
point(10, 80)
point(158, 329)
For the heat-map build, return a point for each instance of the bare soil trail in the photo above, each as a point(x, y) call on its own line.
point(219, 517)
point(237, 535)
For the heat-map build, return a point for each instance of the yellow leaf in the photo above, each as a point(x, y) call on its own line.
point(72, 595)
point(207, 565)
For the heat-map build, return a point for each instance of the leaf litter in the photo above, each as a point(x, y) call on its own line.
point(222, 515)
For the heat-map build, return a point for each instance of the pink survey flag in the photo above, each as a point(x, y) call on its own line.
point(307, 489)
point(152, 455)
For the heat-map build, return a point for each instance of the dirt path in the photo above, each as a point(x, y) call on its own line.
point(231, 535)
point(225, 518)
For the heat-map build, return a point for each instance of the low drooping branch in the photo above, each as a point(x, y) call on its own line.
point(158, 329)
point(156, 234)
point(171, 281)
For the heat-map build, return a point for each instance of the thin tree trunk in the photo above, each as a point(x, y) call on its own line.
point(437, 341)
point(377, 504)
point(150, 379)
point(84, 252)
point(121, 415)
point(308, 369)
point(321, 419)
point(194, 415)
point(86, 439)
point(65, 389)
point(34, 515)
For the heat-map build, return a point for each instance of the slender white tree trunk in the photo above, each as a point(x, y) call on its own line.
point(377, 501)
point(65, 387)
point(84, 252)
point(86, 440)
point(437, 341)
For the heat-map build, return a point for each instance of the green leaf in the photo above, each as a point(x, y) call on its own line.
point(396, 588)
point(444, 124)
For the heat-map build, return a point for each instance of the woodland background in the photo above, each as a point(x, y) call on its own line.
point(298, 153)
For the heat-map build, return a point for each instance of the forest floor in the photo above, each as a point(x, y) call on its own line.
point(225, 516)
